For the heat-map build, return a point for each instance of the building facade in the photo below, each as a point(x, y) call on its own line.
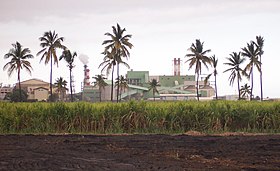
point(4, 90)
point(36, 89)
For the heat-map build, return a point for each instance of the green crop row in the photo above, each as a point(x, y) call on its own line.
point(140, 117)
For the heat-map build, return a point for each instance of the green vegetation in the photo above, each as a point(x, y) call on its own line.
point(99, 81)
point(236, 72)
point(196, 58)
point(69, 58)
point(50, 42)
point(116, 48)
point(18, 60)
point(140, 117)
point(214, 63)
point(17, 95)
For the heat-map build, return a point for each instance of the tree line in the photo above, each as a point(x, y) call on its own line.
point(116, 51)
point(253, 52)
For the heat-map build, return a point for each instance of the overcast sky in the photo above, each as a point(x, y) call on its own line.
point(161, 29)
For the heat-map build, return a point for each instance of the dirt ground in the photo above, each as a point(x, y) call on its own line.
point(140, 152)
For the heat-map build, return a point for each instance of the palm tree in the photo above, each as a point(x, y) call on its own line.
point(19, 56)
point(198, 57)
point(99, 81)
point(109, 62)
point(119, 44)
point(252, 53)
point(214, 63)
point(50, 42)
point(122, 82)
point(237, 72)
point(259, 43)
point(69, 58)
point(60, 84)
point(153, 86)
point(245, 91)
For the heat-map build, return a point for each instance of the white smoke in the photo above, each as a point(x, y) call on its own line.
point(83, 58)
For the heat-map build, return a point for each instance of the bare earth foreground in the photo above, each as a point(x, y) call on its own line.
point(140, 152)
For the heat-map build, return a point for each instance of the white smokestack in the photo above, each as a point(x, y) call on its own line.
point(83, 58)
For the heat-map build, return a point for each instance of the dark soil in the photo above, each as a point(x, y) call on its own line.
point(139, 152)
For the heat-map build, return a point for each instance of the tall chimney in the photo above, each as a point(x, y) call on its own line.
point(86, 76)
point(176, 66)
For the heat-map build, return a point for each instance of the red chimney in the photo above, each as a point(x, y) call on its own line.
point(86, 76)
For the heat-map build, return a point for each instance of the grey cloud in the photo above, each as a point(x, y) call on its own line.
point(33, 10)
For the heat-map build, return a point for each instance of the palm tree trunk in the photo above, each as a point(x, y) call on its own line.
point(216, 87)
point(118, 85)
point(71, 91)
point(120, 94)
point(62, 95)
point(252, 83)
point(51, 95)
point(112, 82)
point(261, 78)
point(197, 95)
point(19, 86)
point(238, 87)
point(99, 94)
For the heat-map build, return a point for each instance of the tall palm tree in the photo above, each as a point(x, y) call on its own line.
point(259, 43)
point(99, 81)
point(50, 42)
point(60, 84)
point(119, 44)
point(214, 63)
point(197, 57)
point(122, 82)
point(234, 62)
point(153, 86)
point(252, 53)
point(109, 62)
point(69, 58)
point(245, 91)
point(19, 56)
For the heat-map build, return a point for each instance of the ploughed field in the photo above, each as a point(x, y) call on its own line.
point(140, 152)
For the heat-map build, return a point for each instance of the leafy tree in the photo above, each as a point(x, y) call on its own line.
point(237, 72)
point(122, 82)
point(60, 84)
point(119, 44)
point(99, 81)
point(69, 58)
point(18, 60)
point(197, 57)
point(259, 43)
point(153, 86)
point(214, 63)
point(50, 42)
point(17, 95)
point(252, 53)
point(245, 91)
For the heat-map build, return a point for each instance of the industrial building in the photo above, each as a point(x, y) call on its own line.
point(4, 90)
point(172, 87)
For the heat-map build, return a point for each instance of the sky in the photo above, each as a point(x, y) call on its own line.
point(161, 31)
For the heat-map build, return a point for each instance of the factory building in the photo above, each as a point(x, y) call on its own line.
point(172, 87)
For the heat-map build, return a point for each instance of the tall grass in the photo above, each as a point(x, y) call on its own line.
point(139, 117)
